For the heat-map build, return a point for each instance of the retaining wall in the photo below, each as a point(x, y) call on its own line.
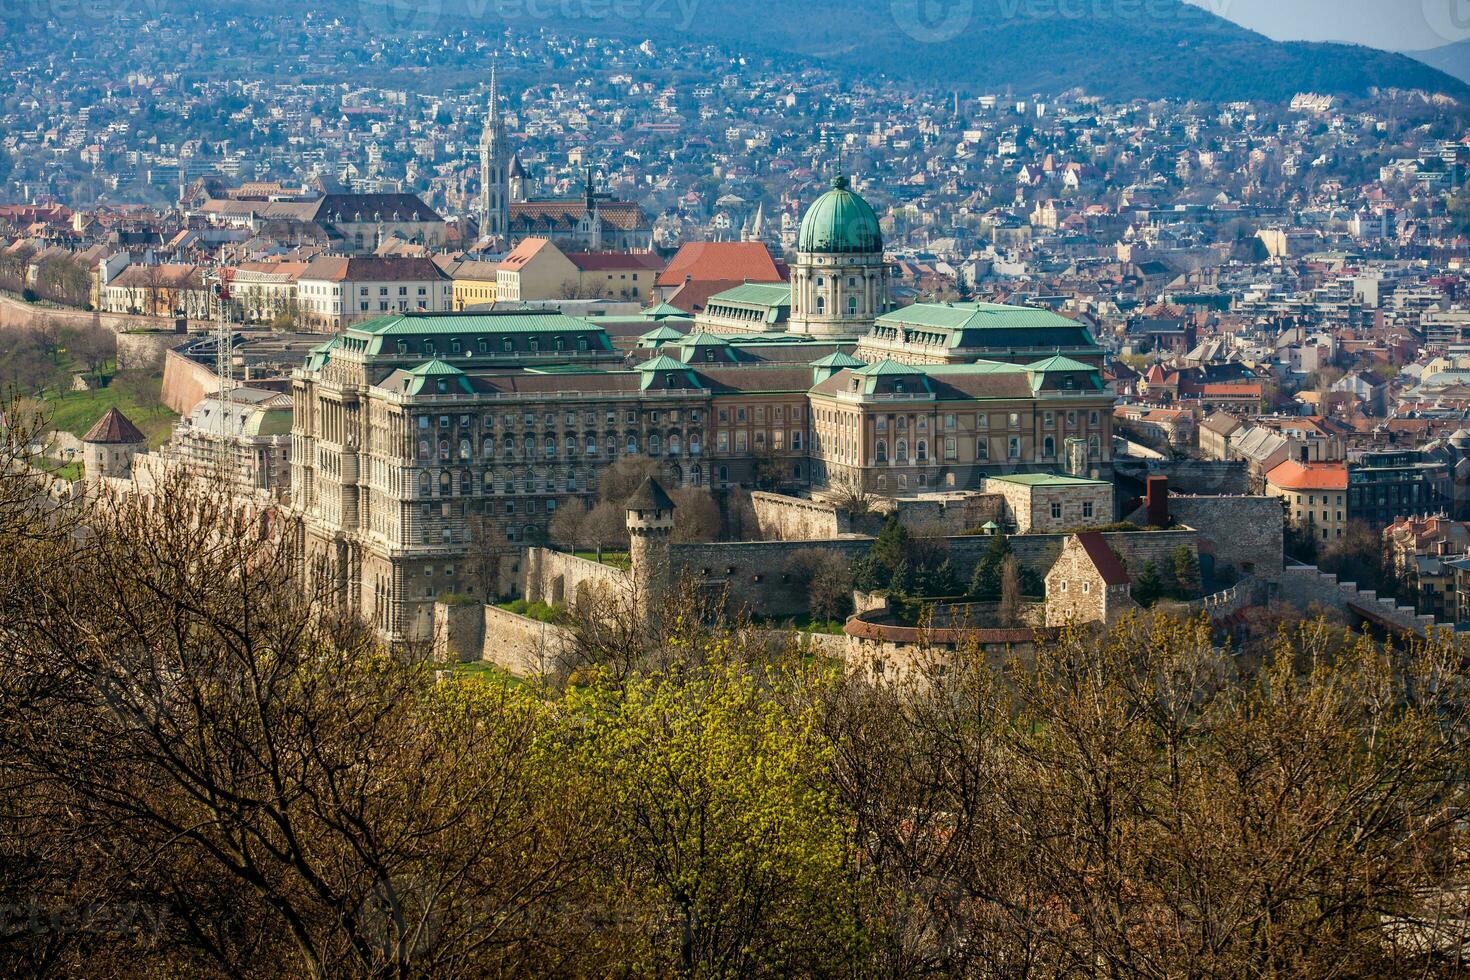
point(185, 383)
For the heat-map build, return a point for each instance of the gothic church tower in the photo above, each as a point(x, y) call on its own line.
point(494, 170)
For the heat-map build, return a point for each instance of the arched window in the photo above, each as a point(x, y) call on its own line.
point(489, 482)
point(443, 449)
point(591, 445)
point(424, 449)
point(509, 447)
point(1094, 447)
point(530, 445)
point(674, 445)
point(921, 450)
point(696, 476)
point(465, 449)
point(882, 451)
point(444, 483)
point(424, 485)
point(550, 446)
point(654, 445)
point(901, 451)
point(821, 304)
point(464, 481)
point(882, 483)
point(852, 306)
point(632, 445)
point(1048, 447)
point(488, 449)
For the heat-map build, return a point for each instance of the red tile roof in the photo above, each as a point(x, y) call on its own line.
point(1103, 559)
point(113, 428)
point(1296, 476)
point(735, 262)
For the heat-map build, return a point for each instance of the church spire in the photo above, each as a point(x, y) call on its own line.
point(494, 167)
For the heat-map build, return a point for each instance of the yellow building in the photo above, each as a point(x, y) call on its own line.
point(1315, 495)
point(474, 284)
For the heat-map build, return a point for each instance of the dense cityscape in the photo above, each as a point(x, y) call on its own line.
point(565, 494)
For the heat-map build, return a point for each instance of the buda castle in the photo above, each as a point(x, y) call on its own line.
point(429, 449)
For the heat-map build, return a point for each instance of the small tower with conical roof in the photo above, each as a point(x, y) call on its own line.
point(650, 529)
point(109, 446)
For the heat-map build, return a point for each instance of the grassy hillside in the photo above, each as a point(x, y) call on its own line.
point(135, 397)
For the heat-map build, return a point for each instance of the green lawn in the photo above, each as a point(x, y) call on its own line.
point(76, 411)
point(482, 670)
point(70, 472)
point(617, 559)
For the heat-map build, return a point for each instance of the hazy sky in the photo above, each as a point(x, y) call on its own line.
point(1400, 25)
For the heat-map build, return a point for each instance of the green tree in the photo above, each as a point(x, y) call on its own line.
point(1185, 564)
point(1148, 585)
point(719, 821)
point(985, 583)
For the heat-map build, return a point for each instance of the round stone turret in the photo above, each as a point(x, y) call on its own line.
point(650, 517)
point(109, 446)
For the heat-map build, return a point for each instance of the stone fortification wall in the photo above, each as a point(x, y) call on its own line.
point(559, 579)
point(459, 631)
point(1244, 533)
point(185, 383)
point(753, 572)
point(1304, 585)
point(1197, 476)
point(15, 313)
point(783, 518)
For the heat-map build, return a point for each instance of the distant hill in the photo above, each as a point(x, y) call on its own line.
point(1168, 48)
point(1452, 59)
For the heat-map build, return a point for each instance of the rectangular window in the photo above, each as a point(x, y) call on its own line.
point(1013, 447)
point(951, 448)
point(1087, 508)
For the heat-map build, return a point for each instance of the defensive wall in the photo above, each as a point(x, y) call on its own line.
point(1303, 585)
point(1207, 477)
point(560, 579)
point(185, 382)
point(517, 644)
point(17, 313)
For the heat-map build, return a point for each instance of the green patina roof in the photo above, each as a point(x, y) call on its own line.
point(704, 339)
point(1059, 363)
point(434, 376)
point(659, 334)
point(665, 310)
point(837, 359)
point(1046, 480)
point(970, 316)
point(887, 368)
point(840, 221)
point(470, 323)
point(433, 368)
point(663, 363)
point(756, 294)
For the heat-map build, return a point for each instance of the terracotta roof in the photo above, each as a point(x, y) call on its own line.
point(373, 268)
point(113, 428)
point(1103, 559)
point(733, 262)
point(614, 261)
point(1292, 475)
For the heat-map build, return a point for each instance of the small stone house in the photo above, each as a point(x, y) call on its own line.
point(1087, 584)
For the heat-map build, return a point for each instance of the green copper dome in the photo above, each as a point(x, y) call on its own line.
point(840, 222)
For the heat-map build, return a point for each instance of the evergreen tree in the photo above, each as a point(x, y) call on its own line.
point(891, 545)
point(1186, 572)
point(901, 583)
point(1148, 587)
point(985, 583)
